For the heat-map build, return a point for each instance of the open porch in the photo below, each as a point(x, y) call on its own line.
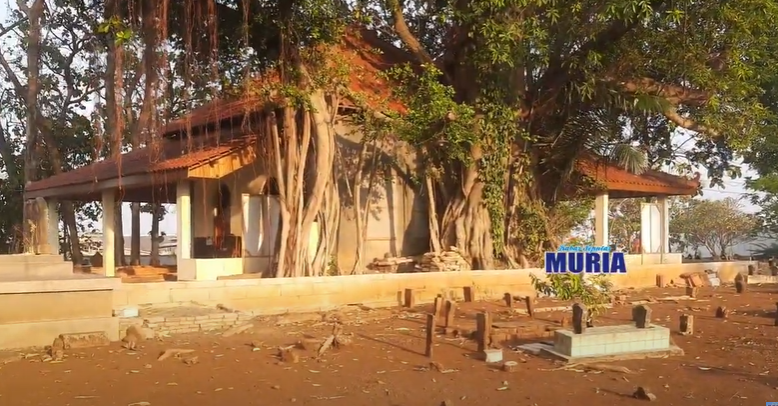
point(613, 182)
point(226, 218)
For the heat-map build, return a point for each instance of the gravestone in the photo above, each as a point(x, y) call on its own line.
point(661, 281)
point(687, 324)
point(751, 270)
point(530, 306)
point(580, 316)
point(740, 283)
point(776, 313)
point(642, 315)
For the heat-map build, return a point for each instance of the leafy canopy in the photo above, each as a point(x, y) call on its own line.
point(714, 224)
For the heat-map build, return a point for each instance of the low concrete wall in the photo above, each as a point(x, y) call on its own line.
point(35, 311)
point(211, 269)
point(35, 266)
point(276, 296)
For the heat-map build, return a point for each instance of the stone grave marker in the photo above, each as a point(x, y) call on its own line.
point(642, 315)
point(687, 324)
point(580, 316)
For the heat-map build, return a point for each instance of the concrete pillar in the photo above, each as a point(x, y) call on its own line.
point(109, 228)
point(52, 227)
point(601, 213)
point(664, 225)
point(184, 219)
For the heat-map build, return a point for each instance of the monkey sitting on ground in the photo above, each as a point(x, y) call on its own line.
point(131, 338)
point(58, 347)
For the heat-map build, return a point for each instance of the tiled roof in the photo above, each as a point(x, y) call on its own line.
point(169, 155)
point(617, 179)
point(362, 50)
point(369, 56)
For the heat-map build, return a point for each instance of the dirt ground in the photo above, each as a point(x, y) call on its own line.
point(727, 362)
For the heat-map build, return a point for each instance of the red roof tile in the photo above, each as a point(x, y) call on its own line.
point(169, 155)
point(367, 55)
point(617, 179)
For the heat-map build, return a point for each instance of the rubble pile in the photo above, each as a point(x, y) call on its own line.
point(446, 261)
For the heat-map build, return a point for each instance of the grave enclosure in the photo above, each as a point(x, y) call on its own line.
point(639, 340)
point(43, 298)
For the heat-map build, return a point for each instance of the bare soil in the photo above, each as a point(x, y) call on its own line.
point(727, 362)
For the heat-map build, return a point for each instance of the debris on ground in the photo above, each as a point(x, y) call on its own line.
point(337, 339)
point(173, 352)
point(192, 360)
point(237, 330)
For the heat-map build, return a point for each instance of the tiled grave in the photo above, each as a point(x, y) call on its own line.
point(613, 341)
point(609, 340)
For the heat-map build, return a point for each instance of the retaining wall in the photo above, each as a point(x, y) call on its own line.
point(290, 295)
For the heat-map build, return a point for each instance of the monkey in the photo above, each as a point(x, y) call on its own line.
point(132, 336)
point(58, 348)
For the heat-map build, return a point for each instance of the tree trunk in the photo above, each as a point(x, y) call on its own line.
point(34, 14)
point(362, 214)
point(308, 194)
point(155, 237)
point(113, 103)
point(466, 223)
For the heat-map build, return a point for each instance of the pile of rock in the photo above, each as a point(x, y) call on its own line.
point(446, 261)
point(388, 264)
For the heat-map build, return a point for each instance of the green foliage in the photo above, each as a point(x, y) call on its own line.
point(569, 215)
point(429, 103)
point(594, 291)
point(714, 224)
point(120, 31)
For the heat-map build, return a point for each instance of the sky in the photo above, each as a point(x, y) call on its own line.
point(734, 188)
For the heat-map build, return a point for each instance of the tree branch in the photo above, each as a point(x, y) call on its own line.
point(406, 36)
point(557, 77)
point(689, 124)
point(674, 94)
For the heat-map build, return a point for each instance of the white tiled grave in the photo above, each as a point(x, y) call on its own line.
point(611, 340)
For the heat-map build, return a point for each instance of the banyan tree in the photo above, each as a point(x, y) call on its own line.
point(493, 101)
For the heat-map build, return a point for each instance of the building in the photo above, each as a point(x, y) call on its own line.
point(227, 210)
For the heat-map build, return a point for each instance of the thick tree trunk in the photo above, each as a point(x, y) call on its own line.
point(114, 128)
point(34, 14)
point(308, 194)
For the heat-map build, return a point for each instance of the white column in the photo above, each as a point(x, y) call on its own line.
point(664, 225)
point(601, 212)
point(52, 220)
point(184, 219)
point(109, 227)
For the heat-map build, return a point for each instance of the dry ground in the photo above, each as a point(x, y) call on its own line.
point(727, 362)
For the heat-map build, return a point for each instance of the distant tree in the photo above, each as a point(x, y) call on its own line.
point(713, 224)
point(624, 219)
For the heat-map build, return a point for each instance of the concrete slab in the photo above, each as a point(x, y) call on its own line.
point(10, 283)
point(611, 340)
point(755, 279)
point(671, 350)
